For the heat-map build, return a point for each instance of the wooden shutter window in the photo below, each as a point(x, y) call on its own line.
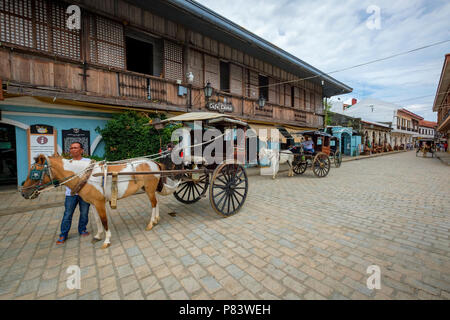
point(42, 25)
point(65, 42)
point(39, 24)
point(16, 25)
point(173, 61)
point(107, 44)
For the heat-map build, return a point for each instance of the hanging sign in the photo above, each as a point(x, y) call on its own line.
point(219, 106)
point(76, 135)
point(41, 140)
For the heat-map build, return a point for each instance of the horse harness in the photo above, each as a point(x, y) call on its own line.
point(39, 174)
point(83, 179)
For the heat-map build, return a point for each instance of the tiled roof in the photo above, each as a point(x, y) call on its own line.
point(428, 124)
point(412, 114)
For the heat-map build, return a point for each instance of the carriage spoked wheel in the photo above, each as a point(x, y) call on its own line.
point(299, 167)
point(321, 165)
point(337, 159)
point(192, 188)
point(229, 188)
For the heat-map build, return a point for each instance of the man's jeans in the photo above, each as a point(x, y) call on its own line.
point(70, 204)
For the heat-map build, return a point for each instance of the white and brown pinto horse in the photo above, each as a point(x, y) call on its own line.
point(57, 169)
point(276, 158)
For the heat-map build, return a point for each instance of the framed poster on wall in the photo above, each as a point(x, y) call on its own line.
point(76, 135)
point(41, 140)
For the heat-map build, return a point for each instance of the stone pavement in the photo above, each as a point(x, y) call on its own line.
point(295, 238)
point(444, 157)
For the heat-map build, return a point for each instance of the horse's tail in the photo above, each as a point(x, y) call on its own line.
point(161, 178)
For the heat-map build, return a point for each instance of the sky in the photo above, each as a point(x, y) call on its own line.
point(335, 34)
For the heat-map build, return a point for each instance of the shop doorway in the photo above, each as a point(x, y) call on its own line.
point(346, 142)
point(8, 161)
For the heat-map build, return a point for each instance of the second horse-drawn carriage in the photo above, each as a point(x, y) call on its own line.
point(317, 158)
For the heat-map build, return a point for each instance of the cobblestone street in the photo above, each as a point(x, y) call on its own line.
point(295, 238)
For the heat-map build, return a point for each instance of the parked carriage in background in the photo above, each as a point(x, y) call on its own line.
point(319, 159)
point(335, 151)
point(426, 146)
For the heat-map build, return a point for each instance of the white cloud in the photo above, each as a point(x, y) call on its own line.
point(332, 35)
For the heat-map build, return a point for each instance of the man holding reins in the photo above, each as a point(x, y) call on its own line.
point(71, 202)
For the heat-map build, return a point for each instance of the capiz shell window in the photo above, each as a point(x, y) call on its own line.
point(40, 25)
point(173, 61)
point(106, 42)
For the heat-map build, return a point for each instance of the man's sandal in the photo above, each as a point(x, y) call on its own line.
point(61, 240)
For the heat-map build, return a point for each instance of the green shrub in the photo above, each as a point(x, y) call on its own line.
point(128, 135)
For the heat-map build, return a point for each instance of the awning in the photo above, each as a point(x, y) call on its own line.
point(264, 133)
point(296, 137)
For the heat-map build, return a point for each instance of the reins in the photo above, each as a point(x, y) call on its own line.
point(54, 183)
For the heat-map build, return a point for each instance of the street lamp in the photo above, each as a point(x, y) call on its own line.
point(190, 80)
point(261, 102)
point(208, 91)
point(156, 122)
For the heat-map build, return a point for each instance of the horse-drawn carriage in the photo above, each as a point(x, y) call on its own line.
point(318, 158)
point(188, 179)
point(335, 151)
point(426, 146)
point(225, 178)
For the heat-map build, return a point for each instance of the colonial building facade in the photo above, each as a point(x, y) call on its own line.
point(103, 56)
point(427, 129)
point(442, 102)
point(384, 122)
point(405, 127)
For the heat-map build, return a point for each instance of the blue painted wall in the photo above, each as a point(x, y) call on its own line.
point(351, 143)
point(59, 124)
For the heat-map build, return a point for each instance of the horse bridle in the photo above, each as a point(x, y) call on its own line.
point(39, 174)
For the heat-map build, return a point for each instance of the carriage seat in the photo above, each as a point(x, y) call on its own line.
point(195, 159)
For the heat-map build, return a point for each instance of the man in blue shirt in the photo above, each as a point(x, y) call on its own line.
point(71, 202)
point(308, 145)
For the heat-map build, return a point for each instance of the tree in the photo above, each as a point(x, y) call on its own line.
point(128, 135)
point(328, 113)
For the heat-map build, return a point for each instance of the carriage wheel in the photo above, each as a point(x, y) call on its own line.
point(299, 167)
point(337, 159)
point(192, 190)
point(321, 165)
point(228, 190)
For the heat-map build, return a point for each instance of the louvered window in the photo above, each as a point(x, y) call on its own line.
point(39, 24)
point(16, 22)
point(173, 61)
point(106, 42)
point(65, 42)
point(42, 25)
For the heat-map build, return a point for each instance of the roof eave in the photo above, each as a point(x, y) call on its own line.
point(439, 97)
point(331, 86)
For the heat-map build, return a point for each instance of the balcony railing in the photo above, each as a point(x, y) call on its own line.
point(142, 87)
point(267, 111)
point(444, 118)
point(99, 84)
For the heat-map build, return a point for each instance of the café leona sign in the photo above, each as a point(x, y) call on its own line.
point(219, 106)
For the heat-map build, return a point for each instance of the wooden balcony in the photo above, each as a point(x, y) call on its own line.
point(30, 73)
